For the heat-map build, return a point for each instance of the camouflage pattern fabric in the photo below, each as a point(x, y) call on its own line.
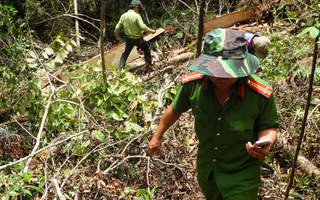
point(225, 55)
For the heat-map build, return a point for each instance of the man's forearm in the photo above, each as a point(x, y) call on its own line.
point(169, 118)
point(271, 134)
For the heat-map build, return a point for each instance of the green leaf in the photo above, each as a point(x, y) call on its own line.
point(86, 143)
point(133, 126)
point(13, 193)
point(179, 35)
point(33, 65)
point(58, 59)
point(45, 55)
point(292, 15)
point(116, 100)
point(49, 51)
point(314, 32)
point(33, 55)
point(98, 135)
point(69, 47)
point(304, 31)
point(27, 176)
point(115, 116)
point(74, 43)
point(27, 192)
point(132, 97)
point(129, 190)
point(142, 97)
point(30, 60)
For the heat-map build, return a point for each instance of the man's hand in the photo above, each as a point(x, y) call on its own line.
point(154, 147)
point(153, 31)
point(258, 151)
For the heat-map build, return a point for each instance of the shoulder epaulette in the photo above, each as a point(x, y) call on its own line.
point(259, 87)
point(191, 77)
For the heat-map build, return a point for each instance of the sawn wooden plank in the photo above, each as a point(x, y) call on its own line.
point(230, 19)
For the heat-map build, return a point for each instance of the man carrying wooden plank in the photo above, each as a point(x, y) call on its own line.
point(133, 27)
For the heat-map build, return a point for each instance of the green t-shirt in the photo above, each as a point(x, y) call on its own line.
point(132, 24)
point(224, 131)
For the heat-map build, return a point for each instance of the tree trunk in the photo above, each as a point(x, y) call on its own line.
point(102, 28)
point(201, 27)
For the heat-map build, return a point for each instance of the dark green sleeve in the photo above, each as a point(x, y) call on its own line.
point(181, 101)
point(268, 116)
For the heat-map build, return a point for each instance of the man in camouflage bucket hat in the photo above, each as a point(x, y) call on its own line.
point(225, 55)
point(232, 110)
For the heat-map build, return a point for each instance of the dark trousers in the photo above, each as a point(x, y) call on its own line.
point(140, 44)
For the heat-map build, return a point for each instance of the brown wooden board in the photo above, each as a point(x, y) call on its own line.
point(230, 19)
point(113, 55)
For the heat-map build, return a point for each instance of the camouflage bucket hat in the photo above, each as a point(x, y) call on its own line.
point(135, 3)
point(225, 55)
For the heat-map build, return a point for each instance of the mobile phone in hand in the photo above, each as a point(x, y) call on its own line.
point(261, 143)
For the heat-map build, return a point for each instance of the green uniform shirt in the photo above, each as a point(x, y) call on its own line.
point(223, 132)
point(132, 24)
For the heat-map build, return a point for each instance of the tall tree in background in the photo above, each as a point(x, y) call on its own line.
point(201, 27)
point(102, 28)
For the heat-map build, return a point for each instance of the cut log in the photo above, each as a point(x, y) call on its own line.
point(230, 19)
point(181, 57)
point(302, 162)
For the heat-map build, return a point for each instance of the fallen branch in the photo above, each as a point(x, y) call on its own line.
point(181, 57)
point(56, 185)
point(310, 169)
point(44, 118)
point(21, 118)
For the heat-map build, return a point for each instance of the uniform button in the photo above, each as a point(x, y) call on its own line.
point(215, 148)
point(214, 160)
point(219, 118)
point(218, 134)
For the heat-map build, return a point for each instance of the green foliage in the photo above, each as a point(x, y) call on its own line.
point(37, 13)
point(18, 186)
point(15, 74)
point(141, 194)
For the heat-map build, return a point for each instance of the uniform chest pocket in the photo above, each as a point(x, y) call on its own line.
point(242, 128)
point(241, 125)
point(199, 115)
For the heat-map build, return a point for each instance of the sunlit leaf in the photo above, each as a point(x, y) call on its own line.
point(45, 55)
point(32, 54)
point(142, 97)
point(73, 43)
point(30, 60)
point(33, 65)
point(98, 135)
point(115, 116)
point(49, 51)
point(58, 59)
point(314, 32)
point(86, 143)
point(97, 69)
point(69, 47)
